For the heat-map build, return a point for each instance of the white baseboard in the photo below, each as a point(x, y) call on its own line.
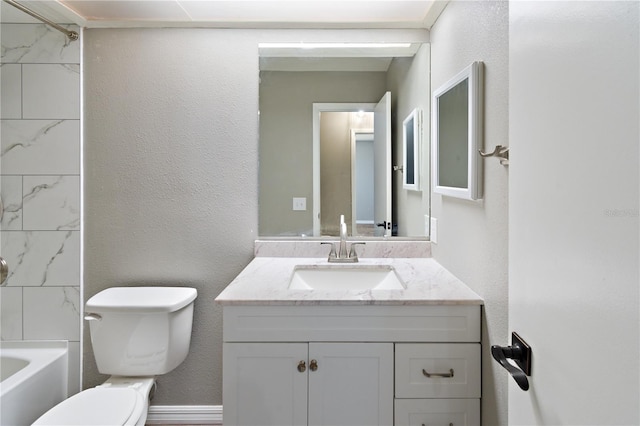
point(184, 415)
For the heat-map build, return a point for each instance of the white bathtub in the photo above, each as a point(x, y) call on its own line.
point(34, 379)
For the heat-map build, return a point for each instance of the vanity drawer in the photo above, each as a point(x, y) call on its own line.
point(437, 412)
point(352, 323)
point(437, 370)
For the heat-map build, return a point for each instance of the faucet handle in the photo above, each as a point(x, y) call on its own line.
point(332, 253)
point(352, 251)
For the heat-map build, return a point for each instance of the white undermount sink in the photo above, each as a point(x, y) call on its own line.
point(354, 278)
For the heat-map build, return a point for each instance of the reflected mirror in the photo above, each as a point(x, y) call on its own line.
point(290, 86)
point(411, 147)
point(457, 135)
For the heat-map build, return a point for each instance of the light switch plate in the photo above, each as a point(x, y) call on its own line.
point(299, 203)
point(433, 237)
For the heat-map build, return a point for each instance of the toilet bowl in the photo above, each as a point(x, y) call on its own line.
point(137, 333)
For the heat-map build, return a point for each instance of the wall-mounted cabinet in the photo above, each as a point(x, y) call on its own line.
point(457, 123)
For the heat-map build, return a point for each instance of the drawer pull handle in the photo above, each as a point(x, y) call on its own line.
point(302, 366)
point(427, 374)
point(313, 365)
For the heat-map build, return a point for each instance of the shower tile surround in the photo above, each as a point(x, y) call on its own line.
point(40, 187)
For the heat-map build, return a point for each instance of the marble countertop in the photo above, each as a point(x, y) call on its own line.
point(265, 281)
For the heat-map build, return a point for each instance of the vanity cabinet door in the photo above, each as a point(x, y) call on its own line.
point(265, 384)
point(352, 384)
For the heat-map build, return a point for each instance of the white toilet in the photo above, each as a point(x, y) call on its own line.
point(137, 333)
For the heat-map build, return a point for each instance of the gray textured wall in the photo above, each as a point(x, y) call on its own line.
point(409, 81)
point(472, 235)
point(170, 162)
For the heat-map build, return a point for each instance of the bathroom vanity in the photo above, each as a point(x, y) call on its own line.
point(350, 356)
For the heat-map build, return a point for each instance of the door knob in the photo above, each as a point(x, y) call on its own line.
point(520, 352)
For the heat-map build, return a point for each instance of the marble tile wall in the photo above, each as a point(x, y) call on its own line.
point(40, 187)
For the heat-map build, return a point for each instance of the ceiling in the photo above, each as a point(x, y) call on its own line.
point(404, 15)
point(241, 13)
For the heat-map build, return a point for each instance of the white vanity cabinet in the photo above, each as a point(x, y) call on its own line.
point(313, 383)
point(351, 365)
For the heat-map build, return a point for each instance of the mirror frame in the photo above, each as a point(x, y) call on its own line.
point(473, 190)
point(411, 142)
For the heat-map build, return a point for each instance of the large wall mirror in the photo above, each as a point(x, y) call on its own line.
point(457, 135)
point(292, 81)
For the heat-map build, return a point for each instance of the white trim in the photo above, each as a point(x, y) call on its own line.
point(352, 142)
point(354, 192)
point(185, 415)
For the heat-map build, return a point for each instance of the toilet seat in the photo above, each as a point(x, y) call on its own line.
point(96, 406)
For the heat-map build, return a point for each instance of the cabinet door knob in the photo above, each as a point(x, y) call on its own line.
point(302, 366)
point(313, 365)
point(427, 374)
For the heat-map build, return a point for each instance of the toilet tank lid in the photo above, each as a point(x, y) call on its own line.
point(141, 299)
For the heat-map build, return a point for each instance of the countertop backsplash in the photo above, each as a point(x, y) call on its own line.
point(371, 248)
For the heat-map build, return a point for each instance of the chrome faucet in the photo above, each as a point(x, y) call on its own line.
point(342, 256)
point(342, 252)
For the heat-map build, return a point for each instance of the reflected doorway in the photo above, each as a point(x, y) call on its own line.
point(335, 179)
point(338, 168)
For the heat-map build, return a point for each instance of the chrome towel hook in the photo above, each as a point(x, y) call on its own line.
point(502, 152)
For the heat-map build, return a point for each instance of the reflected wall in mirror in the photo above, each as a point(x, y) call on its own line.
point(287, 95)
point(457, 135)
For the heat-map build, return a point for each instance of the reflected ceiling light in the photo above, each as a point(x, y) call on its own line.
point(303, 45)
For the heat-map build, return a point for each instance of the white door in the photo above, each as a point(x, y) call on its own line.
point(382, 165)
point(352, 384)
point(573, 209)
point(262, 384)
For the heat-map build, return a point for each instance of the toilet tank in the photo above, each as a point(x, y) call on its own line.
point(140, 331)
